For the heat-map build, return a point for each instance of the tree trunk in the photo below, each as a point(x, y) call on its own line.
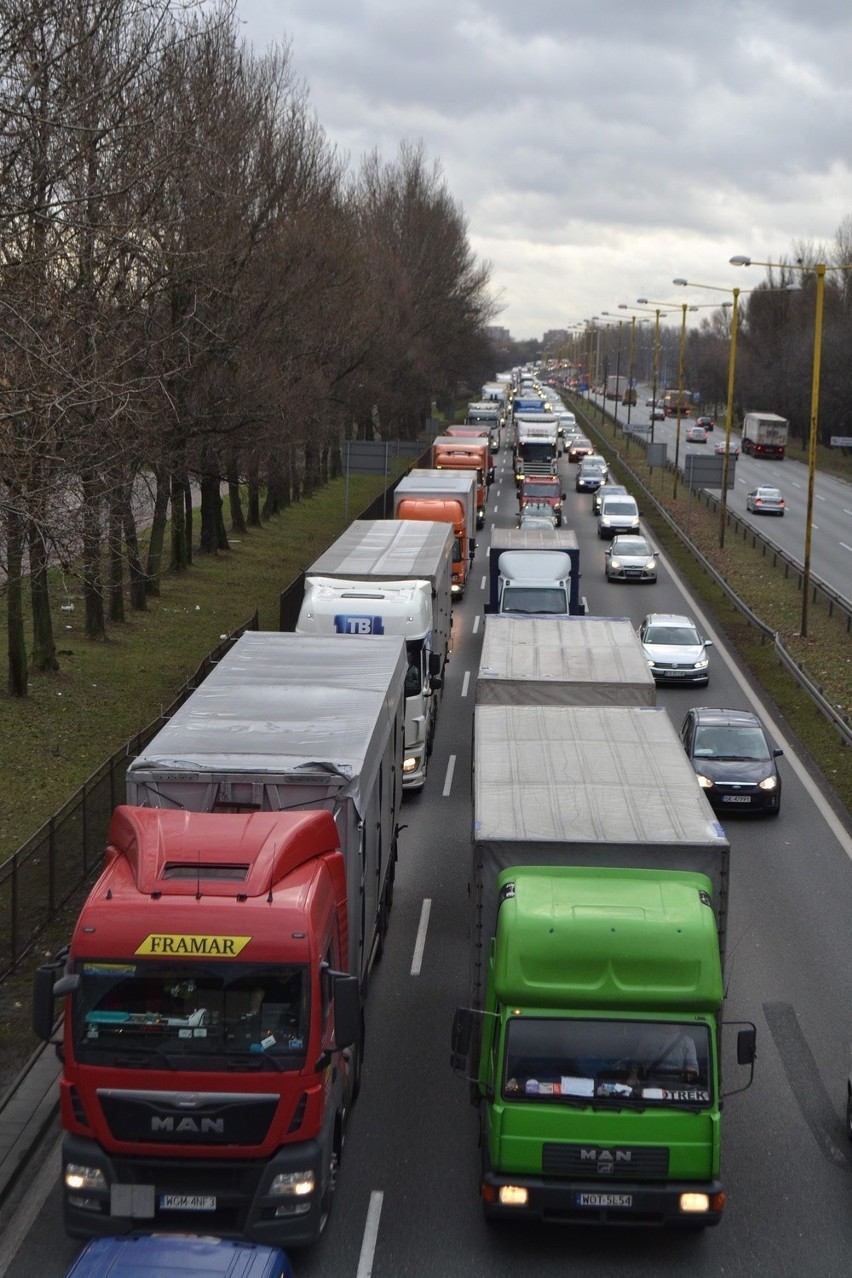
point(189, 516)
point(158, 531)
point(116, 558)
point(254, 496)
point(17, 646)
point(138, 577)
point(180, 558)
point(44, 645)
point(211, 514)
point(92, 585)
point(238, 522)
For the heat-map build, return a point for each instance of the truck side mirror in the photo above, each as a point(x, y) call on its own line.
point(46, 989)
point(434, 664)
point(461, 1036)
point(347, 1009)
point(746, 1046)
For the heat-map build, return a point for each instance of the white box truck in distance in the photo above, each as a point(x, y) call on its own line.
point(765, 435)
point(391, 577)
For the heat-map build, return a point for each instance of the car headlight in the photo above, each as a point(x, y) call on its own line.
point(704, 782)
point(702, 664)
point(650, 565)
point(615, 563)
point(768, 783)
point(605, 521)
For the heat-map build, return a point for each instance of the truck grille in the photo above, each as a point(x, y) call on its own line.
point(606, 1162)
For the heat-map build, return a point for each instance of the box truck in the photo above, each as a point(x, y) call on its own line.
point(540, 574)
point(213, 1032)
point(445, 496)
point(591, 1041)
point(765, 435)
point(471, 453)
point(391, 576)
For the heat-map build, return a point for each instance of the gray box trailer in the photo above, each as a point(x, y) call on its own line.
point(588, 786)
point(294, 722)
point(562, 661)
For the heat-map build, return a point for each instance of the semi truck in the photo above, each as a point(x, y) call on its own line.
point(536, 448)
point(591, 1040)
point(472, 454)
point(617, 386)
point(567, 661)
point(443, 496)
point(489, 413)
point(391, 577)
point(765, 435)
point(534, 570)
point(213, 1031)
point(542, 490)
point(477, 432)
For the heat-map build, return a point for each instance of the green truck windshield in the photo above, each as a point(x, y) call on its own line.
point(190, 1015)
point(656, 1062)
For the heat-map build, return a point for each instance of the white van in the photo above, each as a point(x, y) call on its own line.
point(619, 514)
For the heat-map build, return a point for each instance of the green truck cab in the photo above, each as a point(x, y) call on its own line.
point(595, 1058)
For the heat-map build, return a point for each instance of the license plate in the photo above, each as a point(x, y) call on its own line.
point(736, 798)
point(675, 674)
point(603, 1200)
point(187, 1202)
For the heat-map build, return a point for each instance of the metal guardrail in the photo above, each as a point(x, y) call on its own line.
point(838, 720)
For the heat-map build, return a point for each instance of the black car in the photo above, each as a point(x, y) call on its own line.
point(733, 759)
point(590, 475)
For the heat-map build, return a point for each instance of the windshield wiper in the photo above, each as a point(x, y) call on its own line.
point(140, 1055)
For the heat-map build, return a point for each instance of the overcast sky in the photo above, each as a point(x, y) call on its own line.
point(598, 150)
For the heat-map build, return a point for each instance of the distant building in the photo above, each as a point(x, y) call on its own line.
point(499, 336)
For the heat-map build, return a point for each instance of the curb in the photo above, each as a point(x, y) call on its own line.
point(26, 1110)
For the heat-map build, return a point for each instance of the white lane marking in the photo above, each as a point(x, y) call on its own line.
point(465, 683)
point(475, 624)
point(482, 583)
point(371, 1233)
point(845, 547)
point(448, 779)
point(846, 511)
point(795, 485)
point(819, 498)
point(26, 1215)
point(420, 943)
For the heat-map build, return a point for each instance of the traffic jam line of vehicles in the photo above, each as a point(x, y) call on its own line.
point(213, 990)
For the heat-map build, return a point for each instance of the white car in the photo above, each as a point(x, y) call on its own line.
point(674, 650)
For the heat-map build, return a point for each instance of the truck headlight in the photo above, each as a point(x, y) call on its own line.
point(695, 1202)
point(409, 763)
point(79, 1177)
point(513, 1196)
point(297, 1184)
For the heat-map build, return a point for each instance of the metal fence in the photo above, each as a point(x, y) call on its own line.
point(43, 875)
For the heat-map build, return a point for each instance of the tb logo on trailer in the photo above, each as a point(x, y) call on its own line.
point(349, 624)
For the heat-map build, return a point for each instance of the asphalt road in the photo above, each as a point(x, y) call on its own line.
point(407, 1199)
point(831, 532)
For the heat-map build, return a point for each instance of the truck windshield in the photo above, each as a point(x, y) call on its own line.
point(654, 1062)
point(534, 599)
point(139, 1012)
point(538, 451)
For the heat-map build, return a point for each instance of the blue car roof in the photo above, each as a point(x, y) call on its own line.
point(178, 1256)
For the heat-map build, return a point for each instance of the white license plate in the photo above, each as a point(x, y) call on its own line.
point(675, 674)
point(187, 1202)
point(603, 1200)
point(736, 798)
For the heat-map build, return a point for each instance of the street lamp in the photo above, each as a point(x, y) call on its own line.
point(655, 353)
point(619, 321)
point(819, 269)
point(684, 306)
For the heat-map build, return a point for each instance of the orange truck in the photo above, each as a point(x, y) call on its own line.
point(443, 496)
point(457, 453)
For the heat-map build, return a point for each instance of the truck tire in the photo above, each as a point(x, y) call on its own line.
point(331, 1185)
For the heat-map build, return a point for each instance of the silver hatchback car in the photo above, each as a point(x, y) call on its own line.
point(674, 650)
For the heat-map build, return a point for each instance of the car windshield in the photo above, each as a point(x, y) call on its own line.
point(630, 546)
point(614, 507)
point(560, 1060)
point(730, 742)
point(151, 1014)
point(674, 636)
